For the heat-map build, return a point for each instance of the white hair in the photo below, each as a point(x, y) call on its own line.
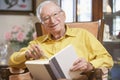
point(39, 8)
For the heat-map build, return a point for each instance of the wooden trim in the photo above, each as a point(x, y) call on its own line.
point(76, 10)
point(97, 10)
point(101, 31)
point(20, 12)
point(97, 14)
point(38, 29)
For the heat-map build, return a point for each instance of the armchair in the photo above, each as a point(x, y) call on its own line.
point(96, 28)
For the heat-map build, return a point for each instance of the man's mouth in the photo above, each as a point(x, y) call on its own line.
point(53, 26)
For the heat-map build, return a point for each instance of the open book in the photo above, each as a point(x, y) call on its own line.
point(56, 67)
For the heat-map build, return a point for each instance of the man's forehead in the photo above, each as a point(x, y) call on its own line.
point(47, 9)
point(50, 6)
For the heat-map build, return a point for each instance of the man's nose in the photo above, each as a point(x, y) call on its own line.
point(52, 19)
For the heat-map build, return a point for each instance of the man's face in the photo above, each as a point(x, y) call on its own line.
point(53, 18)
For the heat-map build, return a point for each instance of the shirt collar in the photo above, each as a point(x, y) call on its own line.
point(67, 33)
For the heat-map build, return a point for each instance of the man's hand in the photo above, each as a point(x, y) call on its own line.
point(82, 65)
point(34, 52)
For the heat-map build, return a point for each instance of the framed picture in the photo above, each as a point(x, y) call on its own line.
point(20, 7)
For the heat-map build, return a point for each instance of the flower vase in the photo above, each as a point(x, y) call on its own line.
point(15, 47)
point(3, 53)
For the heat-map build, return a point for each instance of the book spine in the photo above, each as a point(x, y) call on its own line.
point(50, 71)
point(54, 70)
point(57, 69)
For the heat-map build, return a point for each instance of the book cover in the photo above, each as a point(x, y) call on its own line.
point(56, 67)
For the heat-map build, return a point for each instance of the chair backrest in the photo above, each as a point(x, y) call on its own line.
point(94, 27)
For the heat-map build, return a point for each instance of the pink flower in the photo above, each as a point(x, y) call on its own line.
point(16, 29)
point(17, 36)
point(8, 36)
point(20, 36)
point(23, 6)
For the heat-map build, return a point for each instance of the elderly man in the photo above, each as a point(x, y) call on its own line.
point(90, 51)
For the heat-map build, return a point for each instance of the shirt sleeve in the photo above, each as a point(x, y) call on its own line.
point(17, 59)
point(99, 56)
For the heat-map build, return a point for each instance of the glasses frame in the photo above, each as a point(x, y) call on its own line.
point(55, 15)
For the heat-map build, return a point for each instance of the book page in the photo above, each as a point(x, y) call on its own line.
point(58, 66)
point(63, 60)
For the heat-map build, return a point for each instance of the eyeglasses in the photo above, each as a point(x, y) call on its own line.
point(55, 16)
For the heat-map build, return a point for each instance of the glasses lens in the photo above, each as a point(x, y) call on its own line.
point(55, 16)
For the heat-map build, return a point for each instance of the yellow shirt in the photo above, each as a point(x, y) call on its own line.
point(85, 44)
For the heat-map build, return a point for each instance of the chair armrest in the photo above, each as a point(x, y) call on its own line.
point(105, 72)
point(95, 74)
point(15, 74)
point(15, 71)
point(99, 74)
point(19, 74)
point(24, 76)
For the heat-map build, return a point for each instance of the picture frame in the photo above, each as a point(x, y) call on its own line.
point(17, 7)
